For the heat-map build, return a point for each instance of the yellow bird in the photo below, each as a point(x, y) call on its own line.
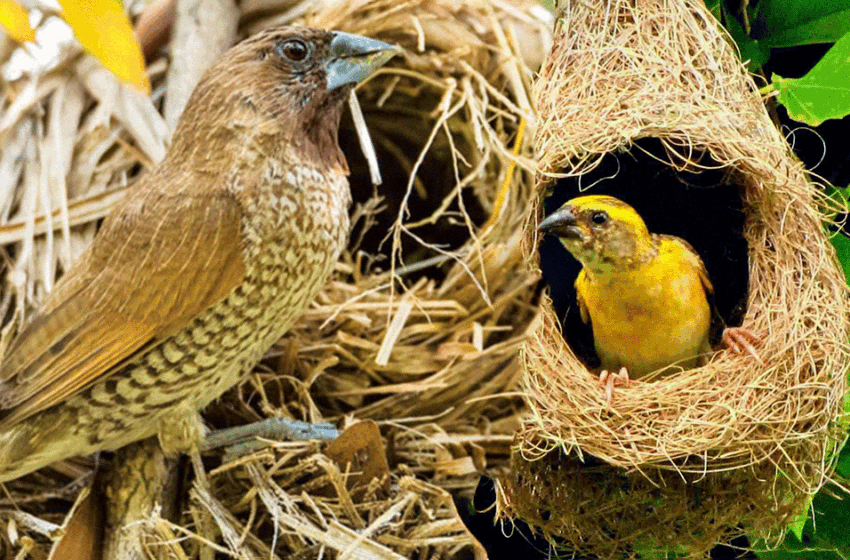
point(645, 295)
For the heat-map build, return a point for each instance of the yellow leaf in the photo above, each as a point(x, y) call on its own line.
point(15, 20)
point(104, 31)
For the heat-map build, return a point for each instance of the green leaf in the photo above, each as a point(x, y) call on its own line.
point(842, 468)
point(841, 195)
point(824, 30)
point(754, 53)
point(792, 549)
point(842, 250)
point(830, 527)
point(823, 93)
point(799, 524)
point(827, 538)
point(785, 23)
point(647, 550)
point(714, 7)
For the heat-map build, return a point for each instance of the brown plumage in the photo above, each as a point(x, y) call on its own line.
point(206, 262)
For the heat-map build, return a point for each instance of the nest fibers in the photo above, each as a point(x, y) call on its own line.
point(419, 329)
point(694, 459)
point(434, 298)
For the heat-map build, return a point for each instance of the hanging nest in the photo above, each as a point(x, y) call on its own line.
point(737, 445)
point(419, 327)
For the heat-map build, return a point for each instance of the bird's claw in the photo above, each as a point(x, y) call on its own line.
point(609, 380)
point(740, 340)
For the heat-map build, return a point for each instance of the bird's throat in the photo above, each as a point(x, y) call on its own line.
point(615, 259)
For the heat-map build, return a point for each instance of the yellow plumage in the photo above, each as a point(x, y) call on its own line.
point(651, 314)
point(644, 295)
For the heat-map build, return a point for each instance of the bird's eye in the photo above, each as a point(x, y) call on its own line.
point(599, 218)
point(295, 50)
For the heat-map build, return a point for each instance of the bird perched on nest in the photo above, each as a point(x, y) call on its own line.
point(206, 262)
point(646, 296)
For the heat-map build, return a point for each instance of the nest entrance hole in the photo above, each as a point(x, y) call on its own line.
point(703, 207)
point(399, 130)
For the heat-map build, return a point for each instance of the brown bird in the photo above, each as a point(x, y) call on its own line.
point(208, 260)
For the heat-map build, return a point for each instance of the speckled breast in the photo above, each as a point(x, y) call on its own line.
point(293, 235)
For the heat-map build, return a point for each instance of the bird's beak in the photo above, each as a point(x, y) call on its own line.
point(353, 58)
point(562, 223)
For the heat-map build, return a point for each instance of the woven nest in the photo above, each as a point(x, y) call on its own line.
point(691, 460)
point(421, 324)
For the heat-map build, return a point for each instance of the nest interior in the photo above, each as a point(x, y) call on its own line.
point(419, 328)
point(622, 72)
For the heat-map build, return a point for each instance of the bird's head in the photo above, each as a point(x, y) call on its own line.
point(290, 80)
point(602, 232)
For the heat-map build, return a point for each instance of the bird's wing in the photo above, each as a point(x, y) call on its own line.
point(582, 306)
point(690, 257)
point(157, 262)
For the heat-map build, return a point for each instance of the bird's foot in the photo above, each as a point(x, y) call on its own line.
point(740, 340)
point(609, 380)
point(241, 440)
point(182, 430)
